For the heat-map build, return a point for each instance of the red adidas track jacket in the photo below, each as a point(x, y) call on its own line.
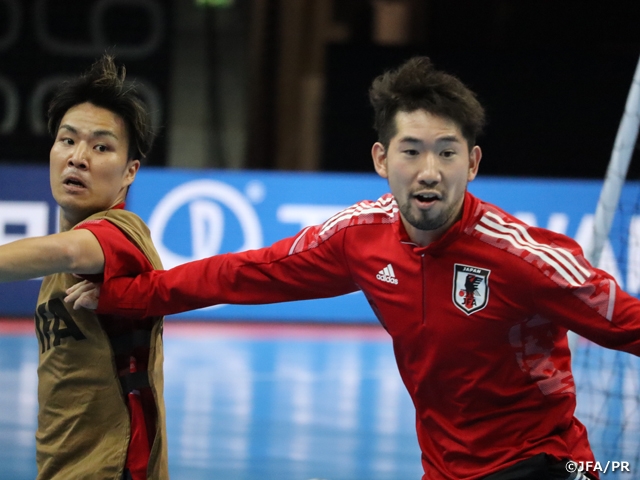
point(478, 320)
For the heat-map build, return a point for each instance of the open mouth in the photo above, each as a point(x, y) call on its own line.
point(427, 198)
point(74, 182)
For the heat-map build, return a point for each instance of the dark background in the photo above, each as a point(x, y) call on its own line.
point(41, 43)
point(553, 76)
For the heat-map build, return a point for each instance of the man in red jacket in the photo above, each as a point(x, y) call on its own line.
point(478, 304)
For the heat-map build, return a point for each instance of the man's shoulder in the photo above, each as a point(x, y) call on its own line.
point(116, 216)
point(130, 224)
point(383, 211)
point(489, 219)
point(125, 218)
point(122, 229)
point(549, 252)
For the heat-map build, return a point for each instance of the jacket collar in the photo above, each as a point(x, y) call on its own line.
point(469, 205)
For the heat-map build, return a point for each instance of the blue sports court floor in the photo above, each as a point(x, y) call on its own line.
point(250, 402)
point(299, 402)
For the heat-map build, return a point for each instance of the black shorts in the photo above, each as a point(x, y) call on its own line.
point(539, 467)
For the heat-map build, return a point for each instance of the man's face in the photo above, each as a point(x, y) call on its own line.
point(89, 169)
point(428, 165)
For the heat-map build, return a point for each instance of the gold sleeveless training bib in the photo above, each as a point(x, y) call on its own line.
point(83, 420)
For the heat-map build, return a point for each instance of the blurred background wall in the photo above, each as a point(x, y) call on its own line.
point(282, 84)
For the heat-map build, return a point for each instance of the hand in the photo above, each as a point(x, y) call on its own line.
point(83, 294)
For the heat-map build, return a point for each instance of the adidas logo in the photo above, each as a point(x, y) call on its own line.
point(387, 275)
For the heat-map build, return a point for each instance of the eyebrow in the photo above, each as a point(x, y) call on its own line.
point(445, 139)
point(410, 140)
point(95, 133)
point(449, 139)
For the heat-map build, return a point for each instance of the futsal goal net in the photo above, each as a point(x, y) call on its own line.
point(608, 381)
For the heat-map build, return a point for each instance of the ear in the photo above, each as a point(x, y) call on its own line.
point(132, 169)
point(379, 155)
point(474, 162)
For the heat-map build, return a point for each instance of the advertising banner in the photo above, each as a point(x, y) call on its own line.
point(27, 210)
point(193, 214)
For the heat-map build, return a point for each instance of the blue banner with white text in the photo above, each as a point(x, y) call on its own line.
point(194, 214)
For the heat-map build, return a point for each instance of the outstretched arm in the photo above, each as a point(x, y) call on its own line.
point(274, 274)
point(76, 251)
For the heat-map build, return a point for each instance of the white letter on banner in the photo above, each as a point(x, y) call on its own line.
point(608, 262)
point(527, 217)
point(307, 215)
point(558, 222)
point(32, 216)
point(207, 225)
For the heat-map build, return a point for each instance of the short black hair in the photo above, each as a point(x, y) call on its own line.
point(417, 85)
point(103, 85)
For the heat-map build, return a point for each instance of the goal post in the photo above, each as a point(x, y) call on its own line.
point(608, 381)
point(617, 170)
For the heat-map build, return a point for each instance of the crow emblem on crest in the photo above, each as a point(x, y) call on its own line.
point(470, 287)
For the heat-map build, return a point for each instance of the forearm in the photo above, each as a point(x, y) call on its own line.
point(234, 278)
point(69, 252)
point(32, 258)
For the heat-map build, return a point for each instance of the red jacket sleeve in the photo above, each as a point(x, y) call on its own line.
point(279, 273)
point(587, 301)
point(121, 256)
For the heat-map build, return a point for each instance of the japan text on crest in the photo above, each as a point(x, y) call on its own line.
point(470, 288)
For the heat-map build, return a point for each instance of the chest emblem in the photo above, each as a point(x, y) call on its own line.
point(470, 288)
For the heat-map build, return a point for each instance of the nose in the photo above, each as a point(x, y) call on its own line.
point(79, 157)
point(429, 172)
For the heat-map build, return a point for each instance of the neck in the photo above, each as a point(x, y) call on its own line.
point(66, 222)
point(420, 237)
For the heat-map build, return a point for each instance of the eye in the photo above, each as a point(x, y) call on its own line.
point(101, 148)
point(410, 152)
point(448, 153)
point(67, 141)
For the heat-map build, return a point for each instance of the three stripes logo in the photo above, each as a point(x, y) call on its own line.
point(516, 238)
point(387, 275)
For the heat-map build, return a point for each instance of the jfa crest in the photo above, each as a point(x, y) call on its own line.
point(470, 288)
